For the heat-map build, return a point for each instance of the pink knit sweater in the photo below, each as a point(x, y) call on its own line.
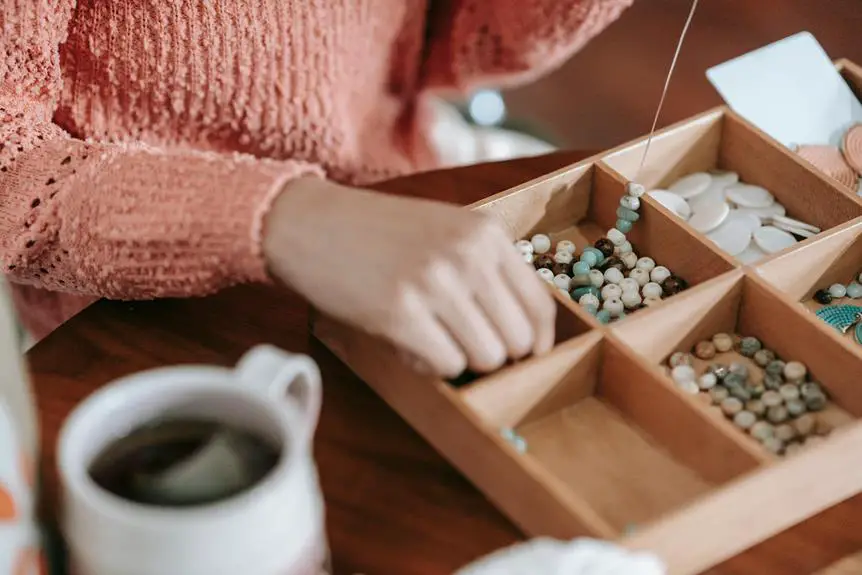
point(142, 141)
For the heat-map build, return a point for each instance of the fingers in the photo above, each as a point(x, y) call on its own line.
point(535, 299)
point(504, 310)
point(428, 343)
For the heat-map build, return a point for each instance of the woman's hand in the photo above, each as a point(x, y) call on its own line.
point(439, 281)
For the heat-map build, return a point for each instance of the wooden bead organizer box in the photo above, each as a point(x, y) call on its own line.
point(614, 448)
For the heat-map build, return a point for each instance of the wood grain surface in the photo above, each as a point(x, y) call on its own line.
point(394, 505)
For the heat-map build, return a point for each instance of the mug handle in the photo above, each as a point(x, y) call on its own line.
point(284, 376)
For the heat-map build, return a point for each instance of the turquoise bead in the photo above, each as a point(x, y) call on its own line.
point(578, 292)
point(627, 214)
point(600, 257)
point(580, 268)
point(591, 309)
point(624, 226)
point(854, 290)
point(604, 316)
point(589, 258)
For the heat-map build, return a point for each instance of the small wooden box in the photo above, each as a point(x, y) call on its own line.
point(616, 450)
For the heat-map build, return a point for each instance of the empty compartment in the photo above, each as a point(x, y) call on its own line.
point(710, 152)
point(610, 432)
point(742, 306)
point(580, 205)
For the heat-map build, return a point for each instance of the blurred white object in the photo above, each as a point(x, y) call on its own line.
point(458, 143)
point(577, 557)
point(487, 108)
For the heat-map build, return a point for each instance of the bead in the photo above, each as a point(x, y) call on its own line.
point(680, 358)
point(631, 299)
point(756, 407)
point(771, 399)
point(544, 261)
point(722, 342)
point(611, 290)
point(589, 299)
point(541, 243)
point(597, 278)
point(810, 388)
point(630, 202)
point(815, 402)
point(775, 367)
point(628, 284)
point(823, 427)
point(623, 249)
point(564, 258)
point(629, 260)
point(546, 275)
point(652, 289)
point(614, 305)
point(704, 350)
point(773, 445)
point(563, 282)
point(718, 394)
point(591, 309)
point(744, 419)
point(582, 280)
point(579, 292)
point(772, 382)
point(604, 316)
point(761, 431)
point(785, 432)
point(837, 290)
point(748, 346)
point(640, 276)
point(788, 391)
point(651, 301)
point(528, 257)
point(739, 391)
point(731, 406)
point(524, 246)
point(605, 246)
point(561, 268)
point(795, 407)
point(707, 381)
point(739, 369)
point(854, 290)
point(777, 414)
point(823, 297)
point(616, 236)
point(613, 262)
point(580, 268)
point(590, 258)
point(756, 389)
point(689, 387)
point(566, 246)
point(658, 274)
point(673, 285)
point(625, 226)
point(719, 370)
point(600, 257)
point(635, 190)
point(646, 264)
point(795, 371)
point(613, 275)
point(763, 357)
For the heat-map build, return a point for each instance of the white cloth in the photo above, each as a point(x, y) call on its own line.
point(543, 556)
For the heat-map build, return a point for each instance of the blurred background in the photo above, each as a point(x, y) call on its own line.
point(607, 93)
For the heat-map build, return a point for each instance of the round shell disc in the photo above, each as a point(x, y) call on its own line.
point(830, 161)
point(851, 146)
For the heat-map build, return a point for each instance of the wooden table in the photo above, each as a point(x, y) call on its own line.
point(394, 504)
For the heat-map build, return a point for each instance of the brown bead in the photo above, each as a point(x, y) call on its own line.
point(544, 261)
point(805, 424)
point(705, 350)
point(785, 432)
point(562, 269)
point(823, 427)
point(673, 285)
point(605, 246)
point(613, 262)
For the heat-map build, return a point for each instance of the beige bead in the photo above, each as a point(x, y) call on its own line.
point(718, 394)
point(705, 350)
point(756, 407)
point(707, 381)
point(771, 398)
point(629, 260)
point(795, 372)
point(744, 419)
point(823, 427)
point(731, 406)
point(761, 431)
point(762, 357)
point(680, 358)
point(785, 432)
point(722, 342)
point(805, 424)
point(789, 391)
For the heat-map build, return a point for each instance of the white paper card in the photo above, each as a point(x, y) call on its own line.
point(791, 90)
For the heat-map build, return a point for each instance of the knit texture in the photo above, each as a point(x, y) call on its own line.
point(142, 141)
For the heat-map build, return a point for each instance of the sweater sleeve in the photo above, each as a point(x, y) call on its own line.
point(475, 43)
point(123, 221)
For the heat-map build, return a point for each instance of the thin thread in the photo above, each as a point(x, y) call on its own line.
point(666, 84)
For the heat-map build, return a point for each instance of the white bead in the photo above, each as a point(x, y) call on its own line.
point(623, 249)
point(614, 305)
point(630, 260)
point(640, 275)
point(563, 282)
point(659, 274)
point(524, 246)
point(837, 290)
point(646, 264)
point(630, 202)
point(528, 257)
point(651, 289)
point(546, 274)
point(707, 381)
point(564, 258)
point(631, 299)
point(683, 373)
point(613, 275)
point(629, 284)
point(635, 190)
point(617, 237)
point(597, 278)
point(689, 387)
point(541, 243)
point(589, 299)
point(651, 301)
point(566, 246)
point(611, 291)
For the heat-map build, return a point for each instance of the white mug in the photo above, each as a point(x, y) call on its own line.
point(275, 527)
